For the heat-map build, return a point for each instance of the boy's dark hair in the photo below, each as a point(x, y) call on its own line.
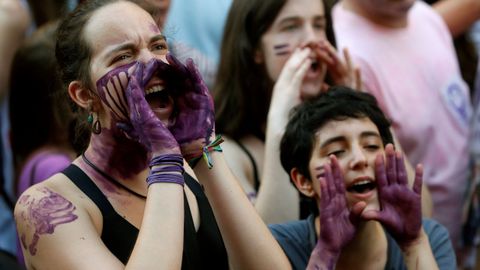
point(338, 103)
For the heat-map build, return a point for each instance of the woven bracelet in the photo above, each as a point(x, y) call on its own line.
point(206, 152)
point(168, 169)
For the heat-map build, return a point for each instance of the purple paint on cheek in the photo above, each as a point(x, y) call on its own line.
point(282, 49)
point(47, 213)
point(111, 90)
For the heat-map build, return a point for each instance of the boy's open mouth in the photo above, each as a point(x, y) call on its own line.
point(361, 186)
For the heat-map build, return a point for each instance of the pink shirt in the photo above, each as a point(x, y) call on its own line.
point(414, 74)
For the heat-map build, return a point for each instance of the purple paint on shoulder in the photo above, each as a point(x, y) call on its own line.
point(47, 213)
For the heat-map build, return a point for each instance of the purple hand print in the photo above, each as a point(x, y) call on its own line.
point(111, 89)
point(45, 214)
point(147, 128)
point(195, 120)
point(401, 211)
point(338, 224)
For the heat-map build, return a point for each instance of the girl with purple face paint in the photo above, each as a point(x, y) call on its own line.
point(126, 202)
point(275, 54)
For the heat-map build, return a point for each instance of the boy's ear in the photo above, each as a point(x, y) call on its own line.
point(303, 183)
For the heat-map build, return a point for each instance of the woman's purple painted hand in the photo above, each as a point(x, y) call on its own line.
point(194, 123)
point(338, 224)
point(144, 125)
point(401, 211)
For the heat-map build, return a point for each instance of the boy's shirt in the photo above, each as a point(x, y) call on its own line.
point(298, 239)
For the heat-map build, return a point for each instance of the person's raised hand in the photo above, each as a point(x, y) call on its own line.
point(342, 72)
point(287, 90)
point(338, 224)
point(401, 211)
point(194, 121)
point(144, 126)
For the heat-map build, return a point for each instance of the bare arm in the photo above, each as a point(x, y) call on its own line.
point(14, 20)
point(59, 224)
point(277, 199)
point(249, 243)
point(459, 15)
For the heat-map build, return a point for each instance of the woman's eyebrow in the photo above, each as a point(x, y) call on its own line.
point(157, 38)
point(119, 48)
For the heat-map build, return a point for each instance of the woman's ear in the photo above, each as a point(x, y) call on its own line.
point(258, 56)
point(303, 184)
point(83, 96)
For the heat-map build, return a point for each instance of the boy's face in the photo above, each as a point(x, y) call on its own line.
point(355, 142)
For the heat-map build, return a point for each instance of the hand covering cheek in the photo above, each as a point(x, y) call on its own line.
point(111, 89)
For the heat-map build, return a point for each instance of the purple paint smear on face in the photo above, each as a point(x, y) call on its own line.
point(282, 49)
point(45, 214)
point(133, 117)
point(111, 89)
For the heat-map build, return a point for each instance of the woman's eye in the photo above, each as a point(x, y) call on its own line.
point(319, 25)
point(121, 58)
point(160, 47)
point(289, 27)
point(336, 153)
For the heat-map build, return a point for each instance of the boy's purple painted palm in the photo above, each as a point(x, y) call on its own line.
point(338, 224)
point(401, 211)
point(194, 121)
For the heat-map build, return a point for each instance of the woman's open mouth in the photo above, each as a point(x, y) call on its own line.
point(160, 101)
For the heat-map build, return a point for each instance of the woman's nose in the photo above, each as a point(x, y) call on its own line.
point(146, 56)
point(310, 35)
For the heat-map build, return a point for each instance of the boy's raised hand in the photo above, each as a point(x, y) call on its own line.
point(338, 223)
point(401, 211)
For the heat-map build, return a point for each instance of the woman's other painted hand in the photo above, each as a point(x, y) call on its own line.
point(194, 123)
point(144, 126)
point(401, 211)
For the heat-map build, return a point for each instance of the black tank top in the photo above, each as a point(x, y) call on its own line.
point(256, 179)
point(201, 250)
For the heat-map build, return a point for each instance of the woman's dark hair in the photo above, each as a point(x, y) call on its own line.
point(338, 103)
point(242, 90)
point(37, 117)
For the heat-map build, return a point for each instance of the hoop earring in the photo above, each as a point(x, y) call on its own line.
point(96, 128)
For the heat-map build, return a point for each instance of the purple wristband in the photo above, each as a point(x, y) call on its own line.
point(168, 169)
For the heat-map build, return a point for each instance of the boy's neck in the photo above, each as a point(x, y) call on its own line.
point(388, 22)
